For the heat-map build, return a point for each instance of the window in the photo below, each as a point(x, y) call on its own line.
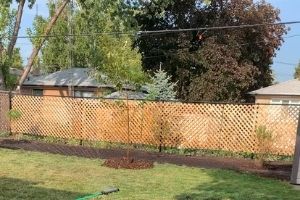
point(294, 102)
point(286, 110)
point(37, 92)
point(84, 94)
point(275, 101)
point(285, 101)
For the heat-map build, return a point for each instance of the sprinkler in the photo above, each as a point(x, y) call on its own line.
point(106, 191)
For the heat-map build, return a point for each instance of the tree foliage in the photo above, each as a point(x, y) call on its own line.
point(161, 87)
point(105, 53)
point(216, 65)
point(297, 72)
point(7, 22)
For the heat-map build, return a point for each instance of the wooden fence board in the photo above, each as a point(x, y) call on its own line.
point(4, 108)
point(229, 127)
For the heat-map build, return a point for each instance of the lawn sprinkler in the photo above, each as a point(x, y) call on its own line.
point(106, 191)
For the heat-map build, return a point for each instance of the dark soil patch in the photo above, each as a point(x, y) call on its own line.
point(278, 165)
point(127, 163)
point(240, 165)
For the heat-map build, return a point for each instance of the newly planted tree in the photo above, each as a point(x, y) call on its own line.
point(161, 89)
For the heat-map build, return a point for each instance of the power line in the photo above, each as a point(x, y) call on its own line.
point(243, 44)
point(71, 35)
point(286, 63)
point(218, 27)
point(292, 36)
point(143, 33)
point(91, 34)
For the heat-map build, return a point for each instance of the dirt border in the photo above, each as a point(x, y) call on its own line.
point(240, 165)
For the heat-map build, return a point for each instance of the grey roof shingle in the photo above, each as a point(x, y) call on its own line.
point(291, 87)
point(79, 77)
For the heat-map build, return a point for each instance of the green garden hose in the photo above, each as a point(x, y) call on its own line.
point(103, 192)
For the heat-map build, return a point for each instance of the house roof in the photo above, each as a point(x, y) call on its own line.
point(80, 77)
point(15, 71)
point(123, 95)
point(291, 87)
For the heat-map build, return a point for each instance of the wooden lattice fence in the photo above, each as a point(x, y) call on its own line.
point(183, 125)
point(4, 108)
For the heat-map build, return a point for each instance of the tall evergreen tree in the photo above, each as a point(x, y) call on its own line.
point(161, 88)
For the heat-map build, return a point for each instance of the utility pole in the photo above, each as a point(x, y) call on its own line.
point(295, 177)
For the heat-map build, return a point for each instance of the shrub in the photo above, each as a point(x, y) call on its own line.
point(14, 114)
point(265, 138)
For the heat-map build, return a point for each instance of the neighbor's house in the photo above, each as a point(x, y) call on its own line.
point(74, 82)
point(16, 72)
point(282, 93)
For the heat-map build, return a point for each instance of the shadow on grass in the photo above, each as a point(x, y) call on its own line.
point(11, 188)
point(229, 185)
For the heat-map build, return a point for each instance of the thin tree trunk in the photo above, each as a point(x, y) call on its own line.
point(128, 127)
point(37, 48)
point(2, 86)
point(13, 40)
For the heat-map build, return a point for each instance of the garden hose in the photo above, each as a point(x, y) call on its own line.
point(103, 192)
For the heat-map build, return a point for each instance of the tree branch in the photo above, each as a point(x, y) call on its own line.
point(37, 48)
point(13, 40)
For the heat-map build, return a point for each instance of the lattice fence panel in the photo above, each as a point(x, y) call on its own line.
point(228, 127)
point(238, 127)
point(47, 116)
point(282, 121)
point(4, 109)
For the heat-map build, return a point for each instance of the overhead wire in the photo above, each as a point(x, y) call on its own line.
point(286, 63)
point(219, 27)
point(166, 31)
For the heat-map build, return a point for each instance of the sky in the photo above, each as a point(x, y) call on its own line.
point(284, 63)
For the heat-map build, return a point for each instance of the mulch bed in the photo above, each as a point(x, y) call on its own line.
point(115, 155)
point(127, 163)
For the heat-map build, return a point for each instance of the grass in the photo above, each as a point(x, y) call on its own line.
point(30, 175)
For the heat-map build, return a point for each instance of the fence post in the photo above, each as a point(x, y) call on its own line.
point(257, 108)
point(161, 125)
point(9, 108)
point(295, 177)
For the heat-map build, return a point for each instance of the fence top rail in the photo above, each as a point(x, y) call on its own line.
point(4, 92)
point(147, 100)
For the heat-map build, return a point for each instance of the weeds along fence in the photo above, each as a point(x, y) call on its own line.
point(230, 127)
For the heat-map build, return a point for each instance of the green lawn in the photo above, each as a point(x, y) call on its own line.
point(28, 175)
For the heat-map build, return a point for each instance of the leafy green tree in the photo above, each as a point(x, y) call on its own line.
point(105, 53)
point(10, 21)
point(36, 49)
point(161, 87)
point(297, 72)
point(216, 65)
point(5, 28)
